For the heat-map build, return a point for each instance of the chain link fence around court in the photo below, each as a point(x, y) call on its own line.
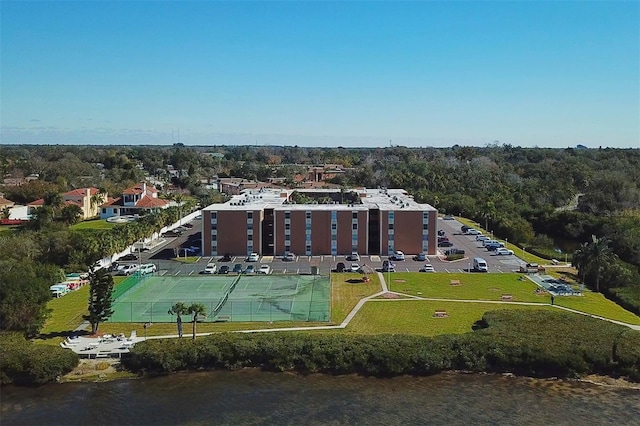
point(226, 298)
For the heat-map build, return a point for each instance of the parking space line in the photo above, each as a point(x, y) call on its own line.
point(163, 273)
point(191, 273)
point(176, 274)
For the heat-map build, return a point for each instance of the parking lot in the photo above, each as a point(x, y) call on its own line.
point(164, 252)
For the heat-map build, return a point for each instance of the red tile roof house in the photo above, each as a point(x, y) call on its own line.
point(80, 197)
point(136, 200)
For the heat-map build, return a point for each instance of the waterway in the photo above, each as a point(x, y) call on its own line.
point(256, 398)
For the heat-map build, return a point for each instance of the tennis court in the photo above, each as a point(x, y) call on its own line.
point(255, 298)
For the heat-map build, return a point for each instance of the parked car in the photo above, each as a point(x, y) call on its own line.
point(464, 228)
point(129, 257)
point(427, 268)
point(420, 257)
point(340, 267)
point(440, 232)
point(488, 241)
point(494, 246)
point(211, 268)
point(388, 266)
point(253, 257)
point(128, 269)
point(397, 255)
point(188, 225)
point(501, 251)
point(226, 258)
point(250, 269)
point(147, 268)
point(480, 265)
point(355, 267)
point(453, 251)
point(482, 238)
point(445, 244)
point(289, 257)
point(237, 268)
point(224, 269)
point(354, 257)
point(264, 269)
point(472, 231)
point(448, 217)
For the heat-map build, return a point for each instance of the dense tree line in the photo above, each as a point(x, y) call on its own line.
point(544, 344)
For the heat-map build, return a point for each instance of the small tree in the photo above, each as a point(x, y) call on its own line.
point(196, 309)
point(179, 309)
point(101, 287)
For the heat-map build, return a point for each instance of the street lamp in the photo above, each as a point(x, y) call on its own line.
point(145, 326)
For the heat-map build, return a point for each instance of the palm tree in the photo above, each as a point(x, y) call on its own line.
point(98, 199)
point(179, 309)
point(599, 254)
point(591, 257)
point(54, 200)
point(196, 309)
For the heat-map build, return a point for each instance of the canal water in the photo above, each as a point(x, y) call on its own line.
point(256, 398)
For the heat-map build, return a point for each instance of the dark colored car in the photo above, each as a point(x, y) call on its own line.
point(464, 228)
point(420, 257)
point(340, 267)
point(441, 232)
point(130, 256)
point(445, 244)
point(224, 269)
point(226, 258)
point(453, 251)
point(237, 268)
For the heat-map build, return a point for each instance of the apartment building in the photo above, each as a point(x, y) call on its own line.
point(270, 222)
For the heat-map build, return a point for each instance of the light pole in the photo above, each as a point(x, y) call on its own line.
point(523, 250)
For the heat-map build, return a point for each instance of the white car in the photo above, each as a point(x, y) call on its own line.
point(397, 255)
point(264, 269)
point(355, 267)
point(211, 268)
point(354, 257)
point(503, 251)
point(472, 231)
point(148, 268)
point(427, 268)
point(253, 257)
point(128, 269)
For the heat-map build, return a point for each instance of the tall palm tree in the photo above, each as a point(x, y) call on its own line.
point(599, 255)
point(196, 309)
point(54, 200)
point(178, 309)
point(70, 214)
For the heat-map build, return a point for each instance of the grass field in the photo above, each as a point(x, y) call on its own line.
point(597, 304)
point(416, 317)
point(92, 225)
point(472, 286)
point(345, 295)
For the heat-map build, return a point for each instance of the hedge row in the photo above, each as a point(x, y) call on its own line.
point(25, 363)
point(537, 344)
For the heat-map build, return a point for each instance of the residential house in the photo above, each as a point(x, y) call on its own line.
point(85, 198)
point(136, 200)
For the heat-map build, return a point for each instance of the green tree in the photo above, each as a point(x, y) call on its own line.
point(100, 300)
point(196, 309)
point(591, 259)
point(178, 309)
point(70, 214)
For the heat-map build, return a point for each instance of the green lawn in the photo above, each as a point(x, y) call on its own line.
point(472, 286)
point(597, 304)
point(345, 295)
point(416, 317)
point(188, 259)
point(92, 225)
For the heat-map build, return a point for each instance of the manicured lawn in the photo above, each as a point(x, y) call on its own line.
point(67, 311)
point(416, 317)
point(188, 259)
point(345, 295)
point(472, 286)
point(597, 304)
point(92, 225)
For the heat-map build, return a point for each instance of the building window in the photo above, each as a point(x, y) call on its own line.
point(214, 226)
point(287, 215)
point(214, 215)
point(104, 211)
point(425, 226)
point(249, 225)
point(390, 237)
point(391, 215)
point(355, 226)
point(354, 215)
point(334, 226)
point(249, 237)
point(425, 216)
point(249, 215)
point(334, 237)
point(287, 226)
point(308, 215)
point(214, 237)
point(287, 237)
point(308, 249)
point(391, 226)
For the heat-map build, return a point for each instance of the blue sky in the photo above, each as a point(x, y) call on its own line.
point(539, 73)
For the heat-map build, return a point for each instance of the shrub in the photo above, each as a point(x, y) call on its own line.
point(25, 363)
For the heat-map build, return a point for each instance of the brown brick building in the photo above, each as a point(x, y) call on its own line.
point(269, 222)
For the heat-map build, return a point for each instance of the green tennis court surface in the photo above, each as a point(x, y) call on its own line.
point(226, 297)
